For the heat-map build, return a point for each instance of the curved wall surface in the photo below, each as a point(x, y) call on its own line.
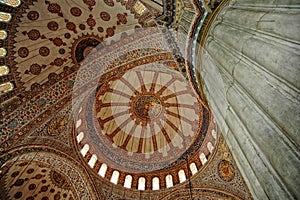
point(250, 74)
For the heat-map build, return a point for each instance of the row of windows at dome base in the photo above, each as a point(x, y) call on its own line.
point(141, 181)
point(8, 86)
point(4, 70)
point(157, 183)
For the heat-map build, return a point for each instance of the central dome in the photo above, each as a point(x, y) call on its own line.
point(136, 112)
point(149, 112)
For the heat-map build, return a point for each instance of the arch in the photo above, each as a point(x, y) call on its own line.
point(3, 52)
point(115, 177)
point(85, 149)
point(92, 161)
point(3, 34)
point(141, 183)
point(128, 181)
point(102, 170)
point(6, 87)
point(79, 137)
point(193, 168)
point(12, 3)
point(69, 170)
point(181, 175)
point(169, 181)
point(5, 17)
point(155, 183)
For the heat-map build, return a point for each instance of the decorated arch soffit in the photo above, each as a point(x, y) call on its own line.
point(39, 173)
point(112, 85)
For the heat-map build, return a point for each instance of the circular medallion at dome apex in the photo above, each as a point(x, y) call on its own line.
point(147, 107)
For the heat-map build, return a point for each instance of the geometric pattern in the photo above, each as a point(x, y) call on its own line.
point(150, 114)
point(42, 175)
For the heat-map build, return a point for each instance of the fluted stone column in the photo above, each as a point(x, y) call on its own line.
point(250, 71)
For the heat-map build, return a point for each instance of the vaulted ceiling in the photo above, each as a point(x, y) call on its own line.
point(99, 100)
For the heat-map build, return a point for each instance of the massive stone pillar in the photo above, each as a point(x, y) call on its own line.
point(250, 71)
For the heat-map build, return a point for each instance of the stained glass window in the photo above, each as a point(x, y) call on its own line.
point(3, 34)
point(214, 134)
point(4, 70)
point(182, 176)
point(92, 161)
point(141, 183)
point(155, 183)
point(2, 52)
point(128, 181)
point(193, 168)
point(203, 158)
point(85, 149)
point(102, 170)
point(210, 147)
point(5, 17)
point(13, 3)
point(115, 177)
point(80, 137)
point(139, 7)
point(78, 123)
point(169, 181)
point(6, 87)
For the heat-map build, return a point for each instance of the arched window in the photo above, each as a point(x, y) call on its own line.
point(169, 181)
point(193, 168)
point(102, 170)
point(78, 123)
point(181, 176)
point(214, 134)
point(13, 3)
point(6, 87)
point(203, 158)
point(80, 137)
point(92, 161)
point(85, 149)
point(155, 183)
point(4, 70)
point(115, 177)
point(141, 183)
point(5, 17)
point(128, 181)
point(210, 147)
point(3, 34)
point(2, 52)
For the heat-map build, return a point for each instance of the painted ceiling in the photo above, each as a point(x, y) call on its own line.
point(99, 101)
